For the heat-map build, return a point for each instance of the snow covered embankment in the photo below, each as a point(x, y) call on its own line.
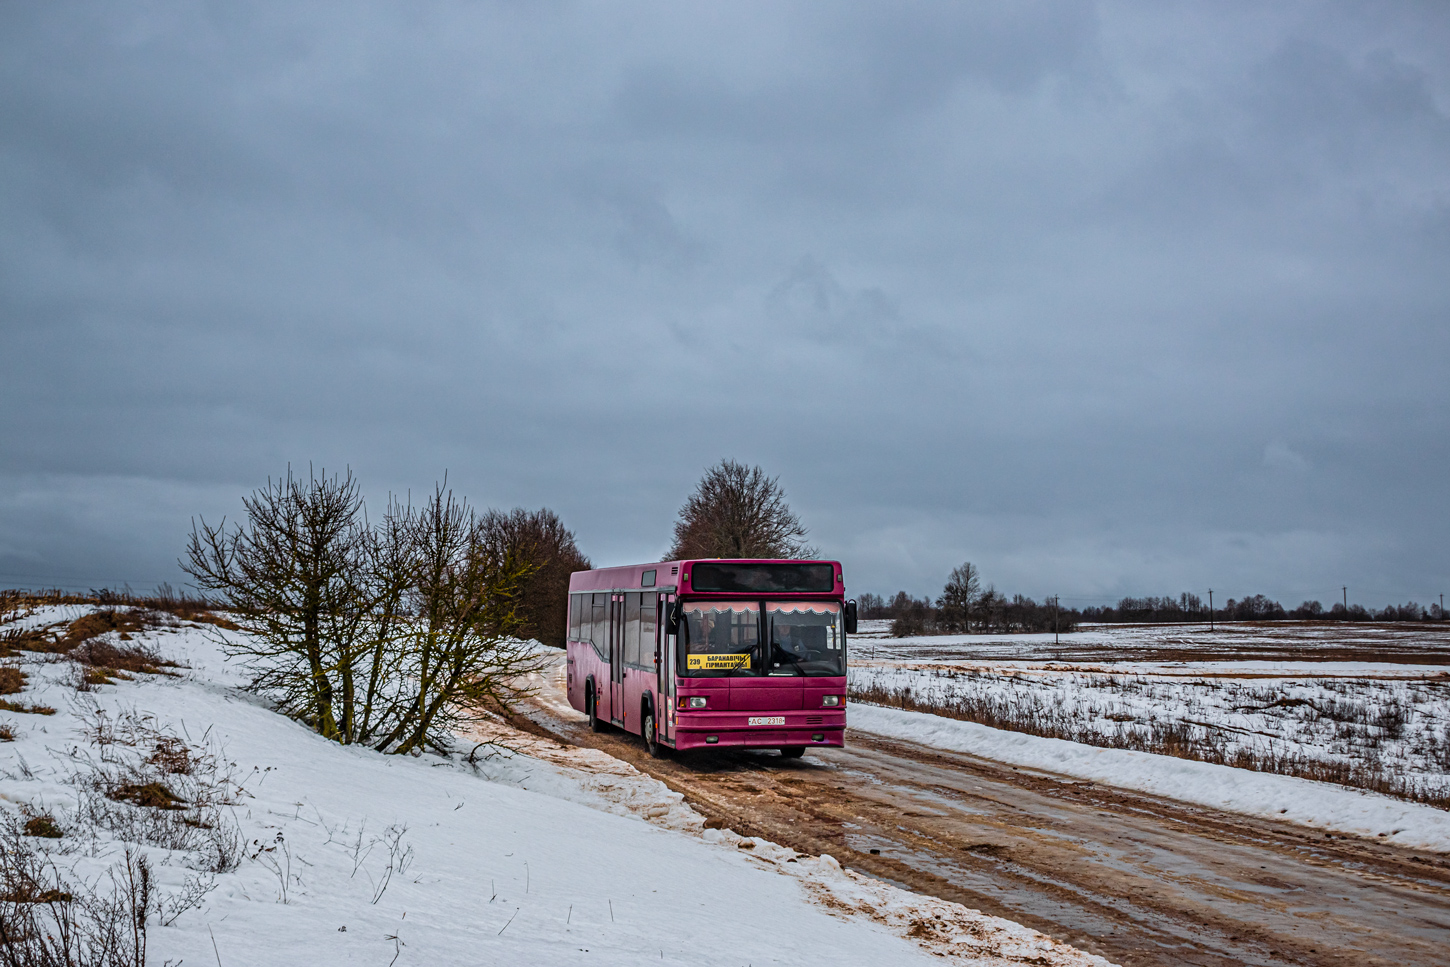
point(351, 857)
point(1316, 804)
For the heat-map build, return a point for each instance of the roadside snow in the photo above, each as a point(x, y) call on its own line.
point(1315, 804)
point(535, 857)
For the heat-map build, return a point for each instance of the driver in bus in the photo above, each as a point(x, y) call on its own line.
point(789, 641)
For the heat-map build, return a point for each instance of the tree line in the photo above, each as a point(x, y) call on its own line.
point(964, 607)
point(1255, 607)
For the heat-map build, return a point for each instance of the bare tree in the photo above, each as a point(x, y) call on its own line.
point(293, 576)
point(737, 511)
point(460, 650)
point(384, 635)
point(959, 598)
point(540, 538)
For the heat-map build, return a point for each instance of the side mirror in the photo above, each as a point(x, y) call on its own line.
point(672, 619)
point(851, 617)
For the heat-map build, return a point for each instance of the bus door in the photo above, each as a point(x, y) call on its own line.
point(616, 658)
point(665, 652)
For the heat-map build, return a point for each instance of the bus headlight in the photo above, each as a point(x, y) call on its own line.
point(693, 701)
point(831, 701)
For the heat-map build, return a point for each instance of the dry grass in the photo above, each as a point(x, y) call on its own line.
point(43, 826)
point(152, 795)
point(8, 706)
point(16, 601)
point(30, 639)
point(12, 680)
point(111, 658)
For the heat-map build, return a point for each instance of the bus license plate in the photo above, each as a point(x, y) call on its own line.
point(766, 720)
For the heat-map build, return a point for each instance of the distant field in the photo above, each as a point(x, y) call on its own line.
point(1366, 705)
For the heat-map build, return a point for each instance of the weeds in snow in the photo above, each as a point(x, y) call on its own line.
point(359, 847)
point(52, 917)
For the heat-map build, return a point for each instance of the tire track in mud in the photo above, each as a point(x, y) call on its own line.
point(1138, 880)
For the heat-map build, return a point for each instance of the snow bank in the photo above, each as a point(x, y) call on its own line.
point(1315, 804)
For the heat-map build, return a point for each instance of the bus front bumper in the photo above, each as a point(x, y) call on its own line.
point(719, 730)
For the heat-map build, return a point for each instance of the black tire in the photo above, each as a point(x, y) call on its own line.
point(592, 701)
point(651, 739)
point(792, 752)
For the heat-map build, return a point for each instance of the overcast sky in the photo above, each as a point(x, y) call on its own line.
point(1107, 298)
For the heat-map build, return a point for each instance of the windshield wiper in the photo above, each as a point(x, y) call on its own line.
point(799, 667)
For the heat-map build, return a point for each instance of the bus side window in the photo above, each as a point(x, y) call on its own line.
point(631, 628)
point(575, 619)
point(586, 621)
point(647, 622)
point(600, 624)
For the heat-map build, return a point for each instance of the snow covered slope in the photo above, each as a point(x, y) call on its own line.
point(351, 857)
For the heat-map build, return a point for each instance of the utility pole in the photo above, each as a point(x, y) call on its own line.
point(1210, 609)
point(1054, 617)
point(1345, 589)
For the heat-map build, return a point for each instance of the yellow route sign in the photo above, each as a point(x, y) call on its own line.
point(717, 663)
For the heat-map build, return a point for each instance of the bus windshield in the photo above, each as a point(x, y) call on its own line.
point(720, 639)
point(806, 638)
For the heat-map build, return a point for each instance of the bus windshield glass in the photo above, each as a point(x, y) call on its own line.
point(806, 638)
point(722, 639)
point(719, 638)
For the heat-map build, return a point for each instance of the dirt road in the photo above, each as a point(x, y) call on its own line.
point(1136, 879)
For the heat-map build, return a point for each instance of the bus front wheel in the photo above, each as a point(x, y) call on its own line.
point(651, 738)
point(792, 752)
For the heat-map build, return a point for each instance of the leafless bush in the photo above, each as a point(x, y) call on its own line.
point(1392, 719)
point(127, 727)
point(50, 917)
point(150, 787)
point(193, 893)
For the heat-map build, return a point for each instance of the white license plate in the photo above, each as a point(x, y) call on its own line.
point(766, 720)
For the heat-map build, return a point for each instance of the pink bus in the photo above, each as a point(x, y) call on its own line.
point(705, 654)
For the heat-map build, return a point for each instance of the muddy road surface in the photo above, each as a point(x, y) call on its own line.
point(1135, 879)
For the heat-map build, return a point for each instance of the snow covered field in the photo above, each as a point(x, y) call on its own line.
point(1350, 723)
point(291, 849)
point(1254, 698)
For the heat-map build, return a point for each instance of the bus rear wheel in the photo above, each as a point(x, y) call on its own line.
point(595, 725)
point(792, 752)
point(651, 738)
